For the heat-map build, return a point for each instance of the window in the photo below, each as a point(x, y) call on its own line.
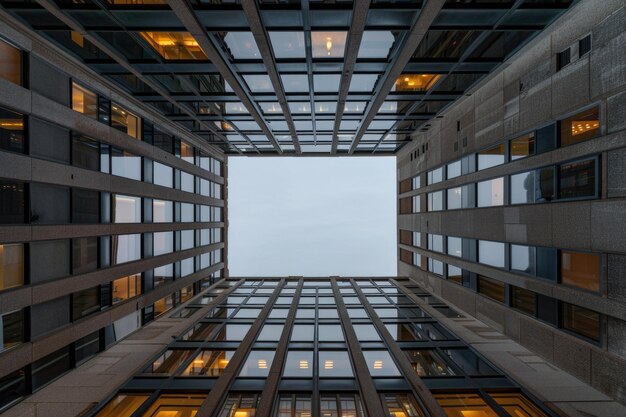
point(453, 170)
point(523, 259)
point(544, 179)
point(577, 179)
point(163, 242)
point(162, 211)
point(435, 176)
point(49, 367)
point(516, 404)
point(406, 205)
point(491, 288)
point(379, 363)
point(163, 175)
point(163, 305)
point(126, 209)
point(12, 205)
point(523, 300)
point(366, 332)
point(435, 266)
point(417, 239)
point(491, 157)
point(435, 243)
point(402, 405)
point(417, 182)
point(169, 362)
point(12, 329)
point(126, 288)
point(455, 246)
point(491, 192)
point(85, 206)
point(581, 321)
point(10, 63)
point(85, 302)
point(491, 253)
point(184, 404)
point(85, 153)
point(406, 256)
point(125, 248)
point(469, 362)
point(581, 127)
point(523, 188)
point(406, 237)
point(175, 45)
point(405, 186)
point(12, 387)
point(562, 59)
point(84, 254)
point(428, 363)
point(187, 182)
point(11, 126)
point(208, 363)
point(84, 101)
point(455, 199)
point(416, 204)
point(462, 404)
point(125, 164)
point(580, 270)
point(584, 45)
point(257, 364)
point(299, 363)
point(523, 146)
point(125, 121)
point(455, 274)
point(11, 265)
point(334, 364)
point(240, 405)
point(435, 201)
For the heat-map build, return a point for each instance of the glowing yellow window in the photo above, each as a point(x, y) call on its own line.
point(175, 45)
point(123, 405)
point(84, 101)
point(175, 405)
point(416, 82)
point(465, 405)
point(516, 404)
point(581, 127)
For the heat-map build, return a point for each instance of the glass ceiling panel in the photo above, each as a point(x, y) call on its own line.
point(363, 82)
point(376, 44)
point(326, 83)
point(324, 124)
point(328, 44)
point(415, 82)
point(270, 107)
point(300, 107)
point(295, 83)
point(175, 45)
point(325, 107)
point(235, 108)
point(242, 45)
point(288, 45)
point(278, 125)
point(246, 125)
point(444, 44)
point(381, 124)
point(355, 107)
point(259, 83)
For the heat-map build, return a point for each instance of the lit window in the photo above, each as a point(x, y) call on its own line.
point(379, 363)
point(299, 364)
point(122, 405)
point(126, 288)
point(84, 101)
point(175, 45)
point(415, 82)
point(122, 119)
point(334, 364)
point(581, 127)
point(11, 130)
point(176, 405)
point(328, 44)
point(257, 364)
point(516, 404)
point(491, 157)
point(402, 405)
point(465, 404)
point(240, 405)
point(580, 270)
point(523, 146)
point(11, 265)
point(208, 363)
point(429, 363)
point(168, 362)
point(10, 63)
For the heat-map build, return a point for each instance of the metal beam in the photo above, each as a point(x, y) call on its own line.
point(53, 9)
point(357, 26)
point(185, 13)
point(251, 9)
point(421, 25)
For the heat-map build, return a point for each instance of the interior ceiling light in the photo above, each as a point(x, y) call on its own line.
point(416, 82)
point(329, 45)
point(582, 126)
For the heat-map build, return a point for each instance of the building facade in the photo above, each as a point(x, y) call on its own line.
point(117, 119)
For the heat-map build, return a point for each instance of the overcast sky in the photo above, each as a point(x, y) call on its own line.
point(312, 216)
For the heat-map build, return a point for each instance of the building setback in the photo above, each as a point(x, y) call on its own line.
point(117, 119)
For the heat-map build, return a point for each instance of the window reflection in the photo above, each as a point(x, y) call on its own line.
point(125, 248)
point(125, 164)
point(169, 362)
point(125, 288)
point(174, 45)
point(581, 127)
point(330, 333)
point(464, 404)
point(176, 405)
point(288, 44)
point(162, 211)
point(294, 406)
point(341, 405)
point(302, 333)
point(299, 363)
point(428, 363)
point(208, 363)
point(334, 364)
point(257, 364)
point(415, 82)
point(379, 363)
point(491, 157)
point(366, 332)
point(232, 332)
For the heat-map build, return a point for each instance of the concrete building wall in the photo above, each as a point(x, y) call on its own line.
point(526, 93)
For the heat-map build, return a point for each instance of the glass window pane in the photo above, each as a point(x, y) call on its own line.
point(523, 300)
point(232, 332)
point(125, 164)
point(516, 404)
point(299, 364)
point(174, 45)
point(163, 242)
point(13, 206)
point(125, 121)
point(330, 333)
point(577, 179)
point(11, 265)
point(242, 45)
point(580, 270)
point(257, 364)
point(125, 288)
point(491, 192)
point(125, 248)
point(366, 332)
point(302, 333)
point(462, 403)
point(84, 101)
point(376, 44)
point(523, 146)
point(10, 63)
point(169, 362)
point(123, 405)
point(334, 364)
point(491, 288)
point(84, 255)
point(162, 211)
point(270, 333)
point(491, 157)
point(11, 126)
point(469, 362)
point(85, 152)
point(581, 127)
point(163, 175)
point(403, 405)
point(208, 363)
point(328, 44)
point(288, 44)
point(523, 259)
point(428, 363)
point(581, 321)
point(523, 188)
point(379, 363)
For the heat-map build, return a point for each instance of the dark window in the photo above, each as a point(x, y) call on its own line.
point(12, 387)
point(12, 329)
point(562, 59)
point(50, 367)
point(87, 346)
point(85, 153)
point(12, 204)
point(547, 309)
point(85, 302)
point(85, 206)
point(523, 300)
point(84, 255)
point(125, 121)
point(163, 141)
point(49, 259)
point(544, 187)
point(546, 263)
point(545, 138)
point(584, 45)
point(491, 288)
point(11, 128)
point(577, 179)
point(580, 320)
point(49, 204)
point(469, 362)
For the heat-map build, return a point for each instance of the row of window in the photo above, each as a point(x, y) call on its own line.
point(574, 319)
point(577, 128)
point(35, 376)
point(38, 203)
point(97, 107)
point(577, 269)
point(578, 179)
point(21, 263)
